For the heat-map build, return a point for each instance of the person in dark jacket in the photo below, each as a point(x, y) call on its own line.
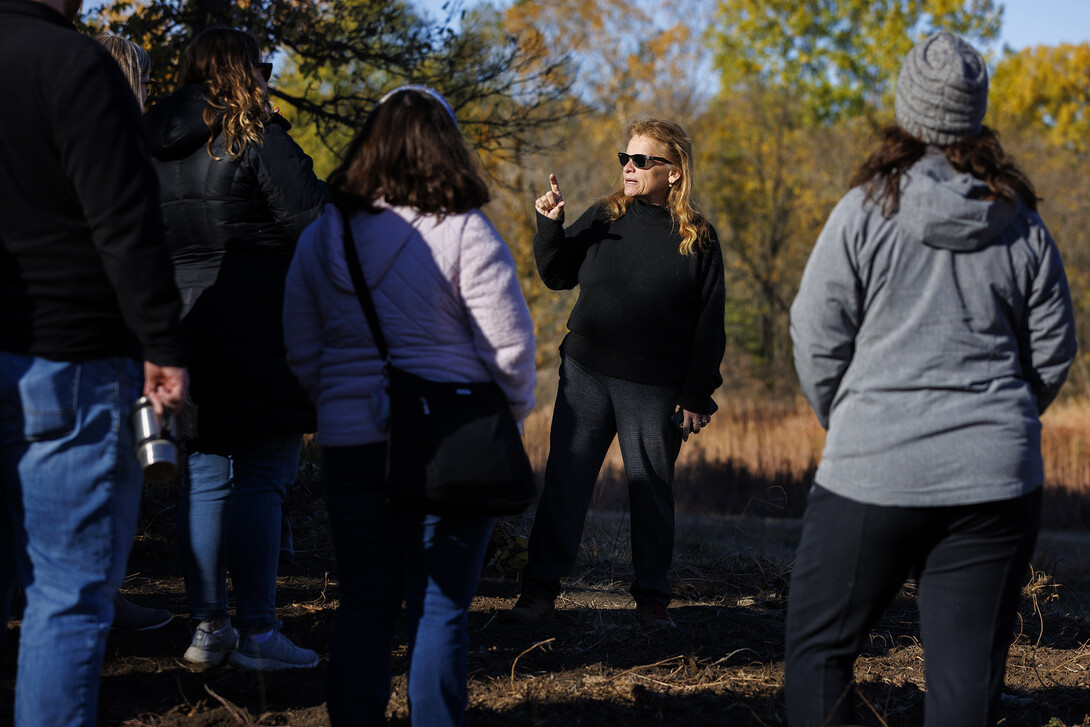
point(86, 294)
point(135, 64)
point(932, 327)
point(236, 192)
point(640, 362)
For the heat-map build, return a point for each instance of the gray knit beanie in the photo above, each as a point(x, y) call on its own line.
point(942, 92)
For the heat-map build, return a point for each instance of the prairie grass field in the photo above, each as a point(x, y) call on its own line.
point(758, 457)
point(740, 488)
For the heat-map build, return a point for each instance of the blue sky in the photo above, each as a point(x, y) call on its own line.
point(1045, 22)
point(1025, 22)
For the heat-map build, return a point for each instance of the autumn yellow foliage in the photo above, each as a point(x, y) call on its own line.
point(1045, 91)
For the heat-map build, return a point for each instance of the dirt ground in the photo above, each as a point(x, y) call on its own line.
point(592, 664)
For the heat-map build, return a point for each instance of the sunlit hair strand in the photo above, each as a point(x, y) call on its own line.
point(134, 61)
point(223, 60)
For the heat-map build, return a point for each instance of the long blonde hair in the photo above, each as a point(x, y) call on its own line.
point(134, 61)
point(223, 61)
point(673, 143)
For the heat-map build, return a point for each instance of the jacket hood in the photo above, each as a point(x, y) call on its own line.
point(176, 125)
point(947, 209)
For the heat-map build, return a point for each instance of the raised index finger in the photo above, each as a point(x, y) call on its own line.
point(554, 184)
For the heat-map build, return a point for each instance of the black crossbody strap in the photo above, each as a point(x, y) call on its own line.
point(355, 269)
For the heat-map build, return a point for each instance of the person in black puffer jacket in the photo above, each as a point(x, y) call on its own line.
point(236, 193)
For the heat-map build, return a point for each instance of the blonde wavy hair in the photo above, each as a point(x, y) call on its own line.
point(223, 61)
point(134, 61)
point(672, 143)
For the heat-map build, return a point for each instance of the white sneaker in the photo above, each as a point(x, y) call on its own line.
point(277, 652)
point(209, 647)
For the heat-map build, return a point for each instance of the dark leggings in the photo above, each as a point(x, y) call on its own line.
point(590, 410)
point(853, 559)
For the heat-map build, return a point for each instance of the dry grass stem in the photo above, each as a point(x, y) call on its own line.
point(231, 708)
point(524, 653)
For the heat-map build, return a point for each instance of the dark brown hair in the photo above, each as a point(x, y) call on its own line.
point(223, 61)
point(981, 156)
point(410, 153)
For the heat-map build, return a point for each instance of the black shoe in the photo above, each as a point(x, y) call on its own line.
point(129, 616)
point(654, 615)
point(287, 545)
point(533, 607)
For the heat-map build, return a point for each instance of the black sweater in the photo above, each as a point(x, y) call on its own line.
point(83, 270)
point(645, 313)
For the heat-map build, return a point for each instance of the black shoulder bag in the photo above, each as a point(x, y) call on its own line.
point(454, 448)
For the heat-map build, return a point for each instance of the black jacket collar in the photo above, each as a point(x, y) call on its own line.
point(34, 10)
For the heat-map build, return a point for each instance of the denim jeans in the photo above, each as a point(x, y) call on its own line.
point(590, 410)
point(383, 557)
point(852, 560)
point(71, 487)
point(229, 519)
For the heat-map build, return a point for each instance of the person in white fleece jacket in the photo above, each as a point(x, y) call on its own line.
point(448, 298)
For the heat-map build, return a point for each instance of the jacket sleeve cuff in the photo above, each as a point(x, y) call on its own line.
point(163, 356)
point(544, 222)
point(696, 403)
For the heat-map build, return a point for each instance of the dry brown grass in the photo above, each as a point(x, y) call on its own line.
point(764, 437)
point(1065, 444)
point(758, 457)
point(593, 664)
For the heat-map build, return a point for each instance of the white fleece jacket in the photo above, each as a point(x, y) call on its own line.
point(447, 297)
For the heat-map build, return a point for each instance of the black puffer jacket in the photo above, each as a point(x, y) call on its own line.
point(231, 228)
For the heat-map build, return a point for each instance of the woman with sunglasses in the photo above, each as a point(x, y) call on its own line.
point(640, 361)
point(237, 192)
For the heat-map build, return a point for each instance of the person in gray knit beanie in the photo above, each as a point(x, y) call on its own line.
point(932, 327)
point(942, 92)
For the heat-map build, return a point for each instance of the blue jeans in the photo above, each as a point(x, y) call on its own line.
point(383, 557)
point(590, 410)
point(852, 560)
point(229, 519)
point(71, 487)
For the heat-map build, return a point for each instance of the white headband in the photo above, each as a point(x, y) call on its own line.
point(422, 89)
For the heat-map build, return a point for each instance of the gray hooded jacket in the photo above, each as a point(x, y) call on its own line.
point(928, 343)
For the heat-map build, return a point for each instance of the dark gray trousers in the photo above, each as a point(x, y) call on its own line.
point(852, 560)
point(590, 410)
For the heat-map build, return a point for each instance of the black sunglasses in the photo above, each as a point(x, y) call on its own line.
point(640, 161)
point(266, 70)
point(151, 86)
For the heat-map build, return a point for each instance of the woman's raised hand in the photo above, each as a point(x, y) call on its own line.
point(551, 204)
